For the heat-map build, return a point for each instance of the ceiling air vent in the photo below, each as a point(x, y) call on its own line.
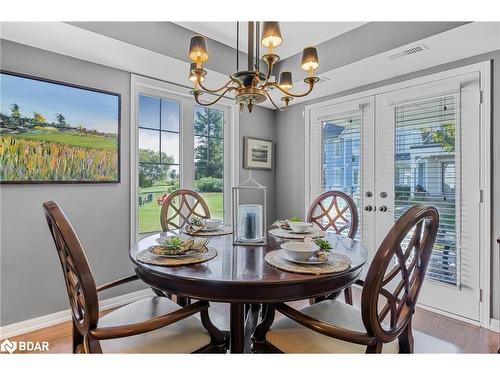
point(409, 51)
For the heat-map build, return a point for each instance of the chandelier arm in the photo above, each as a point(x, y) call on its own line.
point(274, 84)
point(196, 95)
point(270, 66)
point(198, 80)
point(273, 103)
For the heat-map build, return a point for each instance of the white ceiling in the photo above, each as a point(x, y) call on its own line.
point(296, 35)
point(472, 39)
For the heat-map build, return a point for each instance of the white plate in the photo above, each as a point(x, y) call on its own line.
point(308, 231)
point(220, 227)
point(189, 253)
point(311, 260)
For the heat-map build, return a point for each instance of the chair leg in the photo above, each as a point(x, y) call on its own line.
point(377, 348)
point(217, 338)
point(77, 339)
point(259, 334)
point(161, 293)
point(348, 295)
point(406, 341)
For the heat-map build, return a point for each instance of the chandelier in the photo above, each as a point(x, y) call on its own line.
point(252, 86)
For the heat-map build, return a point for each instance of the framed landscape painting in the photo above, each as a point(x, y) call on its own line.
point(53, 132)
point(258, 153)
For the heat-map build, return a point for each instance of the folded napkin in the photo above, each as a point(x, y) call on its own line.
point(282, 224)
point(191, 245)
point(193, 229)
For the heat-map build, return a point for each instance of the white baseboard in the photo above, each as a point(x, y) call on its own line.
point(494, 325)
point(44, 321)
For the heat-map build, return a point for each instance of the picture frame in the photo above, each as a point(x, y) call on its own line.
point(96, 143)
point(258, 153)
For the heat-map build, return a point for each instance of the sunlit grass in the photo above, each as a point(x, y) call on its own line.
point(149, 213)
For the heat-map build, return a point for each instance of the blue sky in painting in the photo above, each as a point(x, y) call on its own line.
point(90, 109)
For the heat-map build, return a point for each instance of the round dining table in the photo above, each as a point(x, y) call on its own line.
point(240, 276)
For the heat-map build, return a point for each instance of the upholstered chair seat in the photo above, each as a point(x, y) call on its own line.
point(184, 336)
point(291, 337)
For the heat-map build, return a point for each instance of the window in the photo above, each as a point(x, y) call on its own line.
point(425, 142)
point(448, 178)
point(159, 159)
point(341, 155)
point(209, 157)
point(337, 148)
point(179, 145)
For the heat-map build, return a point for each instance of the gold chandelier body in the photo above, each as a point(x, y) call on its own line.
point(251, 86)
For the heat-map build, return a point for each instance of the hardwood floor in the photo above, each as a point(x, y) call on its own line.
point(433, 333)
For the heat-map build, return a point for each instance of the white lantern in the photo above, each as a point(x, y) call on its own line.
point(249, 213)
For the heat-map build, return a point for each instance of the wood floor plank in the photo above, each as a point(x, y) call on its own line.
point(436, 333)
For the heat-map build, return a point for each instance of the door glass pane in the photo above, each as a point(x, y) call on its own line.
point(425, 173)
point(340, 155)
point(209, 158)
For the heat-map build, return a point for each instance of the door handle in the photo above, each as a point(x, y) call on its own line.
point(382, 208)
point(368, 208)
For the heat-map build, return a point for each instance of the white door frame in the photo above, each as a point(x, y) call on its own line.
point(484, 69)
point(148, 86)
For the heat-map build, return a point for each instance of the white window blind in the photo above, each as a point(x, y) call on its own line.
point(341, 156)
point(424, 173)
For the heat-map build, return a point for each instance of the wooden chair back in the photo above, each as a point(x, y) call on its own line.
point(80, 285)
point(397, 272)
point(180, 206)
point(334, 210)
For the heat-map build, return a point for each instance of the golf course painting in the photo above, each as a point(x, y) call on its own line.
point(53, 132)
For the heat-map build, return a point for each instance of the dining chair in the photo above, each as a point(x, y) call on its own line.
point(335, 211)
point(150, 325)
point(390, 293)
point(180, 206)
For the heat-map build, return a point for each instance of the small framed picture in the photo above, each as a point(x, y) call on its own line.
point(258, 153)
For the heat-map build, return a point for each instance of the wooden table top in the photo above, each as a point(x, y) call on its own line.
point(240, 273)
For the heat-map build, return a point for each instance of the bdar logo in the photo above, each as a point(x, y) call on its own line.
point(8, 346)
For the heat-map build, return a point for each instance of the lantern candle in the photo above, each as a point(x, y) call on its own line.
point(250, 222)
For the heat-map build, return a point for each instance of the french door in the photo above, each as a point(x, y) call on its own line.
point(417, 145)
point(428, 140)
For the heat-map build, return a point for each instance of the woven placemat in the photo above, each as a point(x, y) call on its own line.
point(146, 256)
point(337, 263)
point(282, 233)
point(221, 232)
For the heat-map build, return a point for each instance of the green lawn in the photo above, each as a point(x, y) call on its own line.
point(149, 213)
point(71, 138)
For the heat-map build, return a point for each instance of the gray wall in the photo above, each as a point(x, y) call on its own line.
point(290, 159)
point(30, 275)
point(260, 124)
